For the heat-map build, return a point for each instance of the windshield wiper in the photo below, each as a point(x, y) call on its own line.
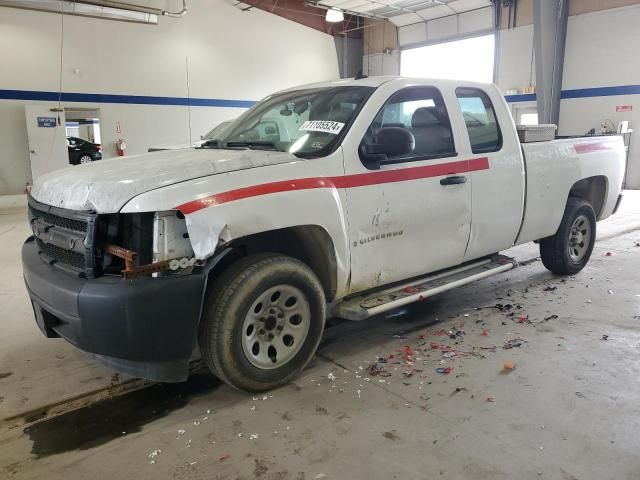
point(212, 144)
point(256, 144)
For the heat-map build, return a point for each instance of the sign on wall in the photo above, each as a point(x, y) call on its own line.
point(47, 122)
point(624, 108)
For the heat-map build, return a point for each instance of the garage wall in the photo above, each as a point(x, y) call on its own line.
point(235, 58)
point(600, 63)
point(515, 68)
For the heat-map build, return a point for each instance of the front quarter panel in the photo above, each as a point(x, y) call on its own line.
point(224, 207)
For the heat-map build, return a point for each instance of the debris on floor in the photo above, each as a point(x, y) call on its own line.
point(513, 343)
point(153, 455)
point(508, 367)
point(444, 370)
point(391, 435)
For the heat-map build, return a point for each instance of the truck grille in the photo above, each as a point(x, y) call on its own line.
point(64, 237)
point(57, 220)
point(57, 254)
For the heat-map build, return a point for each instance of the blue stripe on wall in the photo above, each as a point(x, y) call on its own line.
point(127, 99)
point(582, 93)
point(601, 91)
point(219, 102)
point(525, 97)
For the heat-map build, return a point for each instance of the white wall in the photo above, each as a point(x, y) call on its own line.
point(514, 58)
point(232, 54)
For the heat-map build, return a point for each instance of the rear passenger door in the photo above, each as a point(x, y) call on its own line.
point(498, 190)
point(407, 219)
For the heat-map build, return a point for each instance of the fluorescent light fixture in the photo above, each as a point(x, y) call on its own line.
point(100, 9)
point(334, 16)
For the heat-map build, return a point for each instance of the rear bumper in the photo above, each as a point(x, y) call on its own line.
point(144, 327)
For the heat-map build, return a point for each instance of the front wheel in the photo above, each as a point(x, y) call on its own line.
point(263, 320)
point(568, 251)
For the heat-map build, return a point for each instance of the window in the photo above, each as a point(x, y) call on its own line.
point(480, 118)
point(421, 111)
point(469, 59)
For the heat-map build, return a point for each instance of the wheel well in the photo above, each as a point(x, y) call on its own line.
point(310, 244)
point(593, 190)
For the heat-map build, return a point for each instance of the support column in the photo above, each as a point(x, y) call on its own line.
point(550, 33)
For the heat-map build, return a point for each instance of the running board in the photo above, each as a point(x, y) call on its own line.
point(364, 306)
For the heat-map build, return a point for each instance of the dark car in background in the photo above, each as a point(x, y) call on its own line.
point(83, 151)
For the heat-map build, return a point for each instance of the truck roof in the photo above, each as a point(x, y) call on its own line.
point(379, 80)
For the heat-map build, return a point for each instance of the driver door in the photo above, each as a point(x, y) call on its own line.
point(408, 218)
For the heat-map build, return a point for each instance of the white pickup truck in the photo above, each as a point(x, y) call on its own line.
point(344, 199)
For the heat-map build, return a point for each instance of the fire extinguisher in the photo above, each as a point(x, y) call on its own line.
point(121, 147)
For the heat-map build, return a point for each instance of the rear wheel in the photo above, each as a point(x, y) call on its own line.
point(568, 251)
point(263, 320)
point(86, 158)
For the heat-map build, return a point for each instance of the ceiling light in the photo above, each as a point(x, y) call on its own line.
point(334, 15)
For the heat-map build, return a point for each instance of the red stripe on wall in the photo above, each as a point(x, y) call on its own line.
point(345, 181)
point(591, 147)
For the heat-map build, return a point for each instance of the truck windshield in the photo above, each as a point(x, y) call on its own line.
point(306, 123)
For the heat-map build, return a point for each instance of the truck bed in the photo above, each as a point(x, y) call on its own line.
point(552, 169)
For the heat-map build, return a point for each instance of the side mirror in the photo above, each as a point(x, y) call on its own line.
point(388, 142)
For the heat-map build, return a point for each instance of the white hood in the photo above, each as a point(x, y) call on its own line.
point(107, 185)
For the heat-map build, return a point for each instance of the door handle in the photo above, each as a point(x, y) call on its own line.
point(455, 180)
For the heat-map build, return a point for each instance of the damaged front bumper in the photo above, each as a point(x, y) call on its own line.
point(145, 327)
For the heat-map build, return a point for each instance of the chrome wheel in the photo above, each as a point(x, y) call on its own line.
point(85, 159)
point(579, 238)
point(276, 326)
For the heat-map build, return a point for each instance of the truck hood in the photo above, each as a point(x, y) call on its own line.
point(107, 185)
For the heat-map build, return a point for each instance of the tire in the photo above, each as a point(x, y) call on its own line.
point(251, 304)
point(568, 251)
point(84, 158)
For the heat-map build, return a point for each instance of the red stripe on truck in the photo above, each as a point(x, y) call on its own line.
point(345, 181)
point(591, 147)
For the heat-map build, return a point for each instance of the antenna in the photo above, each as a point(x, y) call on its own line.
point(186, 64)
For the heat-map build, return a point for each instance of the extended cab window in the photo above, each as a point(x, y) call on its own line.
point(481, 121)
point(420, 111)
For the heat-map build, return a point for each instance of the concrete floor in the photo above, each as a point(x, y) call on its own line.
point(569, 410)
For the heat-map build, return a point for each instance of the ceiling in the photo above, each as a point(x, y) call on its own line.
point(406, 12)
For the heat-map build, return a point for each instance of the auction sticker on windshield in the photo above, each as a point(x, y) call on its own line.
point(324, 126)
